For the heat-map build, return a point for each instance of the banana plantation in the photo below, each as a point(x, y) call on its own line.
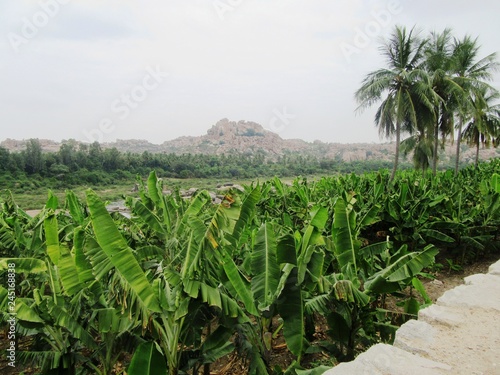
point(183, 285)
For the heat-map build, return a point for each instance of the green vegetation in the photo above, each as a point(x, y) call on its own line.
point(184, 283)
point(428, 87)
point(29, 173)
point(90, 164)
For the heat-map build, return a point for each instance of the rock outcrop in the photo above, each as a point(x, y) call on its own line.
point(246, 137)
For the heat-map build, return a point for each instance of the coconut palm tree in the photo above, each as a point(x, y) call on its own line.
point(438, 63)
point(402, 86)
point(484, 126)
point(470, 73)
point(420, 140)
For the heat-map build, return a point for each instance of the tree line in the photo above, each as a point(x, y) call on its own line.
point(80, 163)
point(430, 88)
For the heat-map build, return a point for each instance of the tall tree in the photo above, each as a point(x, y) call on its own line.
point(470, 73)
point(33, 158)
point(403, 86)
point(4, 158)
point(484, 127)
point(438, 63)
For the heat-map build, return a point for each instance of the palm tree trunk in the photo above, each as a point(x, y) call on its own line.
point(396, 155)
point(477, 153)
point(435, 151)
point(459, 139)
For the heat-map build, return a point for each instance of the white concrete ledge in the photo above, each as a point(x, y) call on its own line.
point(460, 334)
point(383, 359)
point(495, 269)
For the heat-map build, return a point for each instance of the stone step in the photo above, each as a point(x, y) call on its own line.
point(415, 337)
point(477, 292)
point(444, 315)
point(384, 359)
point(495, 269)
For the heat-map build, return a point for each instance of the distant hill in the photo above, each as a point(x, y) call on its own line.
point(228, 137)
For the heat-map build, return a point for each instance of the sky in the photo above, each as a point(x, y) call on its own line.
point(156, 70)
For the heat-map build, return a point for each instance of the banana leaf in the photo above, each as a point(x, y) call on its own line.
point(148, 217)
point(147, 360)
point(241, 286)
point(291, 309)
point(217, 345)
point(119, 253)
point(247, 211)
point(401, 272)
point(27, 265)
point(345, 244)
point(52, 238)
point(265, 267)
point(70, 279)
point(75, 208)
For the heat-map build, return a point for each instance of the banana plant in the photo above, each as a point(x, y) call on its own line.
point(361, 276)
point(172, 284)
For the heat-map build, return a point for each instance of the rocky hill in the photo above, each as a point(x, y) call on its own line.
point(228, 137)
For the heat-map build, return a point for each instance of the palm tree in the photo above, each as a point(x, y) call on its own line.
point(439, 63)
point(484, 127)
point(421, 146)
point(469, 74)
point(402, 86)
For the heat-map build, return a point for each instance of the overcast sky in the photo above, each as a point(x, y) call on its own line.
point(157, 70)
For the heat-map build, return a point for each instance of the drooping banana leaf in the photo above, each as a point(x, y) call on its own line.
point(64, 319)
point(19, 307)
point(437, 235)
point(345, 290)
point(153, 190)
point(247, 212)
point(495, 183)
point(345, 244)
point(74, 207)
point(310, 240)
point(119, 253)
point(83, 266)
point(28, 265)
point(238, 282)
point(68, 272)
point(291, 309)
point(417, 284)
point(401, 272)
point(52, 239)
point(148, 217)
point(319, 217)
point(52, 202)
point(265, 267)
